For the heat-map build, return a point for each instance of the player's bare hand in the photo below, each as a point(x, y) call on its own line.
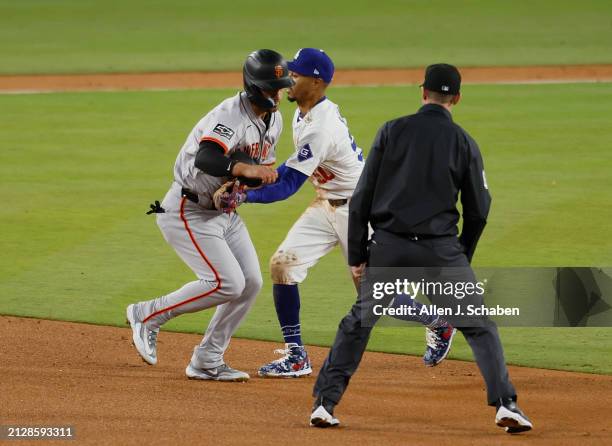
point(357, 271)
point(268, 175)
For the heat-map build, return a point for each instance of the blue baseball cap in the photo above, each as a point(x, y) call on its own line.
point(312, 62)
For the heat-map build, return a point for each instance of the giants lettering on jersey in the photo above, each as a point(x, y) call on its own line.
point(322, 175)
point(253, 150)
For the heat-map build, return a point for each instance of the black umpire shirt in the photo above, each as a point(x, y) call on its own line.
point(411, 181)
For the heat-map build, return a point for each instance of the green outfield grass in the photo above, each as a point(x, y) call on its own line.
point(78, 171)
point(66, 36)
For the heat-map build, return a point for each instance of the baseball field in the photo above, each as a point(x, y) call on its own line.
point(96, 99)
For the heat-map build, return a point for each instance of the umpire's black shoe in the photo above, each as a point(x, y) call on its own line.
point(323, 414)
point(510, 417)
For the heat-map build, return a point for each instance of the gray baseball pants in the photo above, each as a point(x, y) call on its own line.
point(219, 250)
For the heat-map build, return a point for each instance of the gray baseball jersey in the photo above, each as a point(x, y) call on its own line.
point(216, 246)
point(233, 125)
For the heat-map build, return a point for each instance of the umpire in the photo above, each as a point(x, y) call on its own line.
point(416, 169)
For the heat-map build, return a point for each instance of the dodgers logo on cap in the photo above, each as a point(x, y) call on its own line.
point(312, 62)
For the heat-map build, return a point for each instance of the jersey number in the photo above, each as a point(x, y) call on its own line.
point(323, 175)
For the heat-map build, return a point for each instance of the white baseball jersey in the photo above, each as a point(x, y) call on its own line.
point(325, 151)
point(233, 125)
point(328, 154)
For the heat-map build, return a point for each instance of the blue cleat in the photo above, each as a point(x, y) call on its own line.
point(294, 364)
point(439, 342)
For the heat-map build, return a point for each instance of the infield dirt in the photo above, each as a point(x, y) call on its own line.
point(144, 81)
point(90, 377)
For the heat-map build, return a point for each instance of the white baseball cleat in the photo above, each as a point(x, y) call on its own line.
point(144, 339)
point(511, 418)
point(320, 417)
point(221, 373)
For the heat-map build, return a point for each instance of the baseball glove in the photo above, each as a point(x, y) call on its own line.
point(229, 196)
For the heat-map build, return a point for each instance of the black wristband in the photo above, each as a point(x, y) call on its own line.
point(230, 168)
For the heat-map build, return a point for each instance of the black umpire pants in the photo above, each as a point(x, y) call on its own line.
point(388, 250)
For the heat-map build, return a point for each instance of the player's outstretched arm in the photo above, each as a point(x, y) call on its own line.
point(267, 174)
point(211, 160)
point(288, 183)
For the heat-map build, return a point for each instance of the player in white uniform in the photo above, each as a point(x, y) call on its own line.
point(216, 245)
point(325, 153)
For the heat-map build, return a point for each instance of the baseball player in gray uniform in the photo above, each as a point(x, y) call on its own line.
point(215, 244)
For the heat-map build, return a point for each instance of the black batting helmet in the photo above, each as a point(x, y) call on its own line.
point(265, 70)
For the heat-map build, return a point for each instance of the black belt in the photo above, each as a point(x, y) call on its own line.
point(415, 237)
point(191, 196)
point(389, 237)
point(338, 203)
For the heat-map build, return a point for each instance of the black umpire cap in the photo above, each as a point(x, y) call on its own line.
point(443, 78)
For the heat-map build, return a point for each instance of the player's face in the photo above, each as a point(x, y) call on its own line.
point(275, 95)
point(301, 87)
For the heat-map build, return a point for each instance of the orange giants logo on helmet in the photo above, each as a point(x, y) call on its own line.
point(278, 71)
